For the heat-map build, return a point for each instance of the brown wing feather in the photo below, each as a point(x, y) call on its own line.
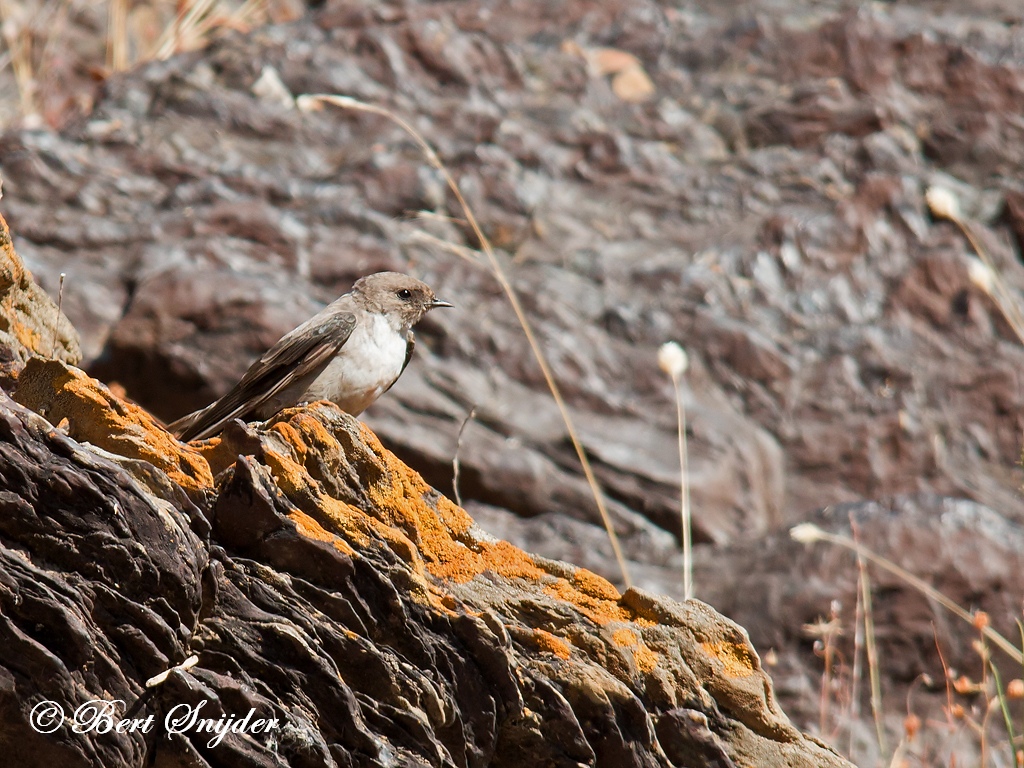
point(303, 353)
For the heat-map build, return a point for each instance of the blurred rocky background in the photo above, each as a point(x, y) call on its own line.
point(746, 178)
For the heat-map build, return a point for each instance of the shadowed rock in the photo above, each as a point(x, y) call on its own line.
point(334, 590)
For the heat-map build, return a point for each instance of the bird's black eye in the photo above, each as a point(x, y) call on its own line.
point(405, 294)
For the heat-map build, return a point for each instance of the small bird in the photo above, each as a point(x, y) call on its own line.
point(350, 353)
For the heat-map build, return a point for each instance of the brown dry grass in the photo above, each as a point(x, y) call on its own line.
point(53, 53)
point(983, 710)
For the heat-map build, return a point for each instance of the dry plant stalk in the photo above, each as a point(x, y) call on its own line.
point(184, 27)
point(311, 102)
point(672, 359)
point(944, 204)
point(18, 38)
point(458, 448)
point(856, 672)
point(872, 653)
point(196, 19)
point(117, 35)
point(825, 634)
point(808, 533)
point(60, 306)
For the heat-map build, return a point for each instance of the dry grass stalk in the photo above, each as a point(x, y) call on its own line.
point(197, 19)
point(856, 672)
point(874, 675)
point(60, 305)
point(458, 449)
point(672, 359)
point(117, 35)
point(808, 533)
point(183, 31)
point(19, 38)
point(945, 205)
point(310, 102)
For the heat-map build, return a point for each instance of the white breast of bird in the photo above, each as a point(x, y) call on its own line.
point(367, 364)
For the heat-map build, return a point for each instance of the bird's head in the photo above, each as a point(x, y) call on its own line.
point(405, 300)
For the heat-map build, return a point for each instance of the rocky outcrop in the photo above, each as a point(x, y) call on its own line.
point(30, 322)
point(764, 205)
point(323, 583)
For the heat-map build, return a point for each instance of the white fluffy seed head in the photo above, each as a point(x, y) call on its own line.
point(806, 533)
point(672, 359)
point(980, 274)
point(943, 203)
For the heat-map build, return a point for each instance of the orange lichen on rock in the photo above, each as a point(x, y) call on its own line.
point(442, 531)
point(459, 563)
point(315, 445)
point(736, 660)
point(311, 529)
point(305, 493)
point(28, 317)
point(439, 528)
point(625, 637)
point(589, 583)
point(545, 641)
point(218, 454)
point(646, 659)
point(424, 528)
point(599, 610)
point(400, 492)
point(93, 414)
point(294, 437)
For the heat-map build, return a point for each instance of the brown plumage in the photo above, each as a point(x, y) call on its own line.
point(350, 353)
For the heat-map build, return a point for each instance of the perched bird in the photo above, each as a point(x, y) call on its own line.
point(350, 353)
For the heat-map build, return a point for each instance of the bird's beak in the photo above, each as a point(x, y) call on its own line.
point(439, 303)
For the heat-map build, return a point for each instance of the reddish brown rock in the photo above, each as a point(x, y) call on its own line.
point(765, 208)
point(30, 323)
point(341, 594)
point(321, 583)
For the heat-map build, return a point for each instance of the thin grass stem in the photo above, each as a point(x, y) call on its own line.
point(117, 35)
point(60, 305)
point(314, 101)
point(809, 533)
point(872, 655)
point(458, 450)
point(856, 671)
point(684, 474)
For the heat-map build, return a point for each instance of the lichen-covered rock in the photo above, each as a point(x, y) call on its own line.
point(30, 323)
point(88, 412)
point(323, 583)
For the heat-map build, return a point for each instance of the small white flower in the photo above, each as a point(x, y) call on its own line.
point(943, 203)
point(672, 359)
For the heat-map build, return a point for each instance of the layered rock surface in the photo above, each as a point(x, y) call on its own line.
point(30, 323)
point(764, 205)
point(324, 583)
